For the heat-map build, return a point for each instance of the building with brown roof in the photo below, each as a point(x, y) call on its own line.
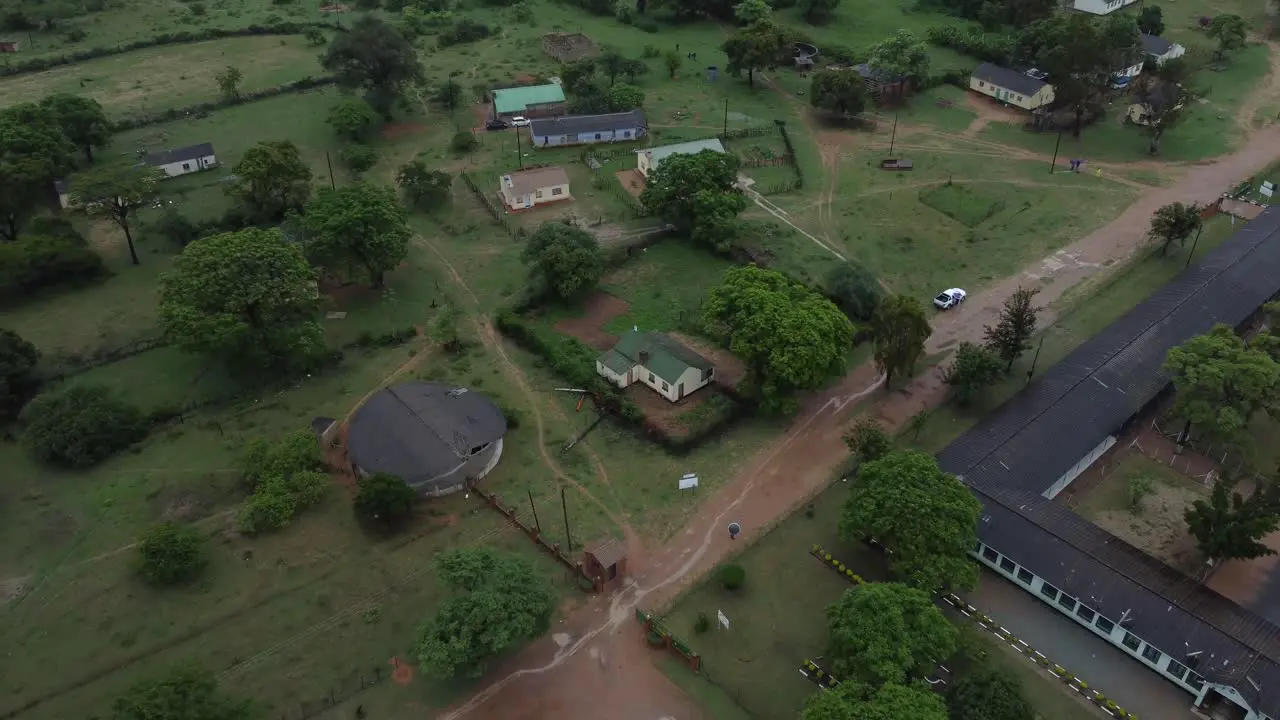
point(527, 188)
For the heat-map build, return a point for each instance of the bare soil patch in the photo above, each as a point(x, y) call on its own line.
point(597, 310)
point(567, 47)
point(676, 419)
point(12, 588)
point(729, 369)
point(632, 180)
point(990, 111)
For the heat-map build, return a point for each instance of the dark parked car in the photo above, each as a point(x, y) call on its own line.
point(495, 125)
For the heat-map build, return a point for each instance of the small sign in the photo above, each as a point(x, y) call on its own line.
point(1267, 188)
point(724, 619)
point(689, 481)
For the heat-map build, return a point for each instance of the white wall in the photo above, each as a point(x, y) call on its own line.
point(619, 380)
point(1080, 467)
point(194, 165)
point(1101, 7)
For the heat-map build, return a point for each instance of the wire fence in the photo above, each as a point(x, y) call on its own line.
point(341, 691)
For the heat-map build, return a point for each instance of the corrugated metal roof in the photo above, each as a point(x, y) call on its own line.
point(517, 99)
point(1009, 79)
point(190, 152)
point(693, 147)
point(575, 124)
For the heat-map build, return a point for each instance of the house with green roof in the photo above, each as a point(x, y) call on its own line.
point(658, 360)
point(529, 101)
point(650, 158)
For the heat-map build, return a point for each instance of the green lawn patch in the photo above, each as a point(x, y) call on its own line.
point(966, 205)
point(664, 287)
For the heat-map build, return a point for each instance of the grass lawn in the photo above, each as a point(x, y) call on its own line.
point(665, 287)
point(176, 75)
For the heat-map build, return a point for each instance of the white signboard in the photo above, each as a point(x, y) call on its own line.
point(724, 619)
point(1267, 189)
point(688, 482)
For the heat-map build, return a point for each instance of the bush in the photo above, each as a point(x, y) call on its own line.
point(991, 47)
point(18, 379)
point(285, 476)
point(702, 623)
point(262, 512)
point(359, 158)
point(175, 227)
point(384, 499)
point(732, 576)
point(33, 263)
point(463, 31)
point(464, 142)
point(80, 426)
point(172, 554)
point(1139, 487)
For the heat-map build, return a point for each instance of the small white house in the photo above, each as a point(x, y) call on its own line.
point(183, 161)
point(657, 360)
point(1159, 51)
point(650, 158)
point(524, 189)
point(1100, 7)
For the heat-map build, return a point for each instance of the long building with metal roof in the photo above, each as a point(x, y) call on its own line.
point(1032, 447)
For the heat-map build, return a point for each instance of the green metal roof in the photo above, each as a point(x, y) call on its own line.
point(693, 147)
point(668, 358)
point(516, 99)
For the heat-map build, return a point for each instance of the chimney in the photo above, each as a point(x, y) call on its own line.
point(644, 357)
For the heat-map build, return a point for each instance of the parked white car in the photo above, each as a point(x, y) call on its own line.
point(519, 121)
point(948, 299)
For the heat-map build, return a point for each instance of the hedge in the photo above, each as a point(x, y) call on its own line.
point(991, 47)
point(299, 85)
point(33, 263)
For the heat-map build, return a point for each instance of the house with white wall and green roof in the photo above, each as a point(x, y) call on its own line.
point(657, 360)
point(650, 158)
point(530, 101)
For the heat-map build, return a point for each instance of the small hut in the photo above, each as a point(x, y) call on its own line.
point(606, 563)
point(883, 85)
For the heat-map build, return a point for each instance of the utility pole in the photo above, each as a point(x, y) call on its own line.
point(726, 118)
point(1054, 162)
point(519, 150)
point(329, 162)
point(893, 138)
point(568, 536)
point(1193, 246)
point(534, 508)
point(1035, 359)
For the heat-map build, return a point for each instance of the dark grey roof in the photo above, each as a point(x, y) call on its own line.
point(574, 124)
point(421, 430)
point(191, 152)
point(1008, 79)
point(878, 74)
point(1154, 44)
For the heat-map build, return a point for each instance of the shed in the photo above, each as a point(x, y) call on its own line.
point(1160, 50)
point(650, 158)
point(606, 563)
point(588, 129)
point(882, 84)
point(184, 160)
point(529, 101)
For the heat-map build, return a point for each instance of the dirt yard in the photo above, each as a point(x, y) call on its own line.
point(597, 310)
point(729, 369)
point(631, 179)
point(679, 418)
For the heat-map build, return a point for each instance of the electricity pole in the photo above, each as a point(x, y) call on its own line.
point(1054, 162)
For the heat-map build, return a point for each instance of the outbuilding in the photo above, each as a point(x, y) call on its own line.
point(588, 129)
point(184, 160)
point(1100, 7)
point(529, 101)
point(434, 436)
point(650, 158)
point(524, 189)
point(1159, 50)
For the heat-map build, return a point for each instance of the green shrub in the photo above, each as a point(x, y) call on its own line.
point(172, 554)
point(702, 623)
point(359, 158)
point(80, 426)
point(384, 499)
point(464, 142)
point(33, 263)
point(732, 576)
point(262, 511)
point(463, 31)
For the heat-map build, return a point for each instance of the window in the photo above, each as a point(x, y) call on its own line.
point(1104, 625)
point(981, 84)
point(651, 380)
point(1019, 98)
point(537, 193)
point(1007, 565)
point(1130, 640)
point(626, 133)
point(557, 191)
point(1195, 681)
point(1176, 669)
point(1025, 576)
point(1049, 591)
point(1085, 613)
point(186, 166)
point(664, 385)
point(597, 136)
point(1151, 654)
point(1067, 602)
point(990, 554)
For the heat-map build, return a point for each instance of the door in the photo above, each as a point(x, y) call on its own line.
point(680, 388)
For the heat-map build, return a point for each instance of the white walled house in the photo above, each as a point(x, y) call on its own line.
point(183, 161)
point(657, 360)
point(524, 189)
point(650, 158)
point(1158, 50)
point(1100, 7)
point(588, 129)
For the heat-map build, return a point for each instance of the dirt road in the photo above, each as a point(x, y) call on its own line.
point(598, 651)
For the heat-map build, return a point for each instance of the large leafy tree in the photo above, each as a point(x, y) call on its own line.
point(867, 440)
point(756, 47)
point(247, 296)
point(624, 97)
point(838, 91)
point(423, 189)
point(1221, 382)
point(563, 260)
point(818, 12)
point(1080, 53)
point(82, 120)
point(351, 119)
point(931, 543)
point(856, 701)
point(987, 694)
point(33, 153)
point(1151, 20)
point(80, 426)
point(118, 192)
point(375, 57)
point(272, 179)
point(887, 633)
point(1011, 336)
point(358, 225)
point(184, 693)
point(1230, 32)
point(698, 194)
point(1167, 108)
point(499, 599)
point(229, 82)
point(1174, 223)
point(1227, 525)
point(855, 290)
point(752, 11)
point(790, 337)
point(384, 499)
point(172, 554)
point(18, 380)
point(973, 369)
point(898, 331)
point(902, 53)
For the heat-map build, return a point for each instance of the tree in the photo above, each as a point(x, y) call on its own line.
point(612, 64)
point(1227, 526)
point(1174, 223)
point(172, 554)
point(698, 194)
point(563, 260)
point(624, 97)
point(247, 296)
point(901, 54)
point(1221, 382)
point(732, 576)
point(82, 121)
point(118, 192)
point(1080, 53)
point(33, 153)
point(931, 543)
point(898, 332)
point(987, 694)
point(1166, 110)
point(464, 142)
point(314, 36)
point(271, 179)
point(375, 57)
point(887, 633)
point(838, 91)
point(447, 94)
point(499, 599)
point(229, 82)
point(756, 47)
point(817, 12)
point(358, 224)
point(856, 701)
point(867, 440)
point(974, 369)
point(1012, 335)
point(351, 119)
point(1151, 20)
point(183, 693)
point(384, 499)
point(855, 290)
point(672, 60)
point(752, 11)
point(18, 380)
point(1230, 31)
point(80, 426)
point(790, 337)
point(423, 189)
point(358, 158)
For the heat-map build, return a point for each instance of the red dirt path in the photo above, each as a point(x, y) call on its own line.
point(598, 309)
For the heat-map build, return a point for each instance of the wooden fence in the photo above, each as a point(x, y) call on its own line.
point(661, 636)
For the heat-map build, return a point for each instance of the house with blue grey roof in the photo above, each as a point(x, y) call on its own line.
point(650, 158)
